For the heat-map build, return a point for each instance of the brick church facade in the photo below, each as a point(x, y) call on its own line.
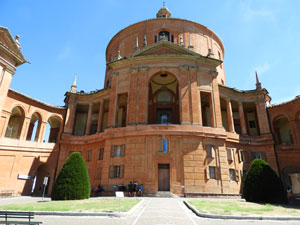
point(165, 118)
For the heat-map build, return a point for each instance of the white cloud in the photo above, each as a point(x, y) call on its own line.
point(64, 53)
point(249, 13)
point(261, 69)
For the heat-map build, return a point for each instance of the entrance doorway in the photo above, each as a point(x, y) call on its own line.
point(163, 177)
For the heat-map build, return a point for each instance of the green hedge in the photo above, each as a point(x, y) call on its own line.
point(73, 180)
point(263, 185)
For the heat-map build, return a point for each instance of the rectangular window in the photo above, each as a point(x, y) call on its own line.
point(117, 150)
point(116, 171)
point(98, 174)
point(211, 172)
point(210, 151)
point(163, 145)
point(100, 153)
point(231, 174)
point(89, 155)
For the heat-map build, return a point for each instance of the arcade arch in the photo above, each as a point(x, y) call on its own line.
point(15, 123)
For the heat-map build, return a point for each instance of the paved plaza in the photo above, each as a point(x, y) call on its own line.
point(153, 211)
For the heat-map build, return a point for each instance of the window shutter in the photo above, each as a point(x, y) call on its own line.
point(213, 151)
point(122, 150)
point(230, 154)
point(263, 156)
point(112, 152)
point(207, 173)
point(237, 177)
point(247, 156)
point(241, 155)
point(111, 172)
point(121, 171)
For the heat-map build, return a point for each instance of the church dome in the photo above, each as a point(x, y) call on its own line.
point(164, 12)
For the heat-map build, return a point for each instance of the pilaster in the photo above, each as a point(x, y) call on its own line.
point(195, 97)
point(142, 93)
point(89, 119)
point(185, 95)
point(100, 116)
point(132, 96)
point(113, 100)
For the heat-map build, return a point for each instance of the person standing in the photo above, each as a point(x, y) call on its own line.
point(130, 188)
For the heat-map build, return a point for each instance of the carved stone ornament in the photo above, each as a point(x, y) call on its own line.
point(183, 67)
point(214, 73)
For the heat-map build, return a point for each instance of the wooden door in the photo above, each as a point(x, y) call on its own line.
point(163, 177)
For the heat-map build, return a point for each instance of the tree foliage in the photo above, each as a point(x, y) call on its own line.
point(73, 180)
point(263, 185)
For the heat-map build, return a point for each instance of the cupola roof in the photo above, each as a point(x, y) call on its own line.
point(164, 12)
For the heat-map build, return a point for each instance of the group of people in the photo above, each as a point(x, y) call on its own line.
point(134, 189)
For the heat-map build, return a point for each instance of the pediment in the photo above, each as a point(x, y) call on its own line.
point(8, 44)
point(163, 48)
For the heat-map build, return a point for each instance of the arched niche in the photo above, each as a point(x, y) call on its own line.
point(15, 123)
point(282, 130)
point(163, 100)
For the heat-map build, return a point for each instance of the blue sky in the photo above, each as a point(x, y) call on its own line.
point(64, 38)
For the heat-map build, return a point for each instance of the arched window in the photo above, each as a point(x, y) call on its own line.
point(15, 123)
point(34, 127)
point(52, 129)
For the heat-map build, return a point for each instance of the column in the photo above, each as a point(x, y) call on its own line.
point(184, 95)
point(25, 127)
point(113, 100)
point(42, 132)
point(100, 116)
point(132, 97)
point(262, 117)
point(242, 119)
point(143, 94)
point(195, 97)
point(89, 119)
point(216, 99)
point(229, 115)
point(70, 117)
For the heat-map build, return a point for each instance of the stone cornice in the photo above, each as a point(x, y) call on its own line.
point(8, 67)
point(158, 58)
point(138, 69)
point(188, 67)
point(115, 74)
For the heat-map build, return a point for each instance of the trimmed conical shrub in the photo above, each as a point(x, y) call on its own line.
point(263, 185)
point(73, 180)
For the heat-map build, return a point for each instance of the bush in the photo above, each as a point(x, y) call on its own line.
point(73, 180)
point(263, 185)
